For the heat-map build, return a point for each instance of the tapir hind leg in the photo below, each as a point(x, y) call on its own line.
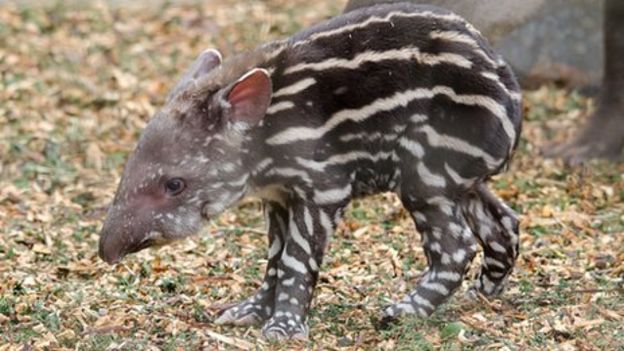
point(496, 227)
point(449, 246)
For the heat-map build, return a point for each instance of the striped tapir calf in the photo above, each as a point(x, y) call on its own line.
point(400, 98)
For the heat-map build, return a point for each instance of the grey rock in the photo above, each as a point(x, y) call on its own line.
point(563, 41)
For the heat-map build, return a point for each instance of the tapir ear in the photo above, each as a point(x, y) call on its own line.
point(249, 98)
point(203, 64)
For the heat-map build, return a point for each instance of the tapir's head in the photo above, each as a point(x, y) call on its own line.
point(189, 162)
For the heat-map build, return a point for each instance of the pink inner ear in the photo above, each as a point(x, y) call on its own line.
point(250, 97)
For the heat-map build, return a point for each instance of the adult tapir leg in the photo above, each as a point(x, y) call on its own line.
point(603, 136)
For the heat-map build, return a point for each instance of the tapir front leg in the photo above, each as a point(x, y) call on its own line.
point(259, 307)
point(310, 227)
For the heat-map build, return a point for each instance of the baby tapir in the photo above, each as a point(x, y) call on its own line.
point(400, 98)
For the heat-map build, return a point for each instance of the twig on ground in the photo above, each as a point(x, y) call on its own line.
point(107, 329)
point(243, 229)
point(238, 343)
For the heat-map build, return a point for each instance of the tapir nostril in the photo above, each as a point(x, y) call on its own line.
point(107, 251)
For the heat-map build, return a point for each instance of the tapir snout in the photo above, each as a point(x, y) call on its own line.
point(123, 233)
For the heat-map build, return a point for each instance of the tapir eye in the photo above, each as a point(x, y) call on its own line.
point(174, 186)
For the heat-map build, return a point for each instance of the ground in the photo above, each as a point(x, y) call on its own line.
point(78, 84)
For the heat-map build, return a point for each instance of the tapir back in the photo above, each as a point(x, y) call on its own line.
point(363, 89)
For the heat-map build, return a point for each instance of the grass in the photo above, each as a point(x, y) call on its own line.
point(79, 83)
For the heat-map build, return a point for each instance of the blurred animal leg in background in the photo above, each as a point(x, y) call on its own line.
point(603, 135)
